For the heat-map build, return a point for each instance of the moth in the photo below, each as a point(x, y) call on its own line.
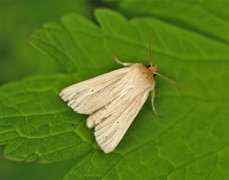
point(113, 100)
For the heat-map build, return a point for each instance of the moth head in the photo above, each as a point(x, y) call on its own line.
point(152, 68)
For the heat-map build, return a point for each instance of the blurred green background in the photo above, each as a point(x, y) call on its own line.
point(18, 20)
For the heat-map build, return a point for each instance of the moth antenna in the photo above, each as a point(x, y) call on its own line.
point(150, 47)
point(150, 54)
point(176, 84)
point(166, 78)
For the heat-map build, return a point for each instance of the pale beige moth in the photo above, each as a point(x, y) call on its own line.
point(113, 100)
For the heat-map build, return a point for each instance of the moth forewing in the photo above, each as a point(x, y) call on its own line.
point(110, 132)
point(112, 100)
point(78, 95)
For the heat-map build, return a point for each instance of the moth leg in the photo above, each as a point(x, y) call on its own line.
point(152, 102)
point(126, 64)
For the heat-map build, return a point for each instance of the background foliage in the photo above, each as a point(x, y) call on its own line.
point(18, 20)
point(190, 45)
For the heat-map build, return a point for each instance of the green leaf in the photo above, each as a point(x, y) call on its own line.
point(188, 141)
point(207, 18)
point(37, 124)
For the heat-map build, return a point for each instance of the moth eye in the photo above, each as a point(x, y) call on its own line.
point(154, 75)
